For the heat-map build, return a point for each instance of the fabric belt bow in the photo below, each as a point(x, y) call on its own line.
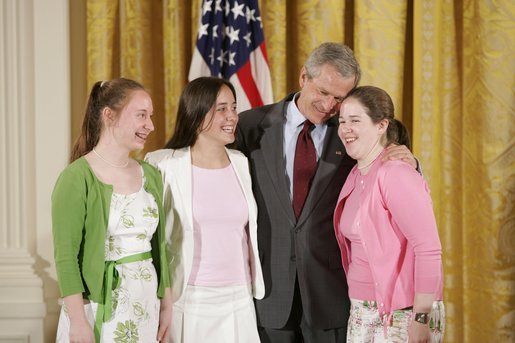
point(111, 282)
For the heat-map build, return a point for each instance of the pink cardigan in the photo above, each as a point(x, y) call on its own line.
point(399, 234)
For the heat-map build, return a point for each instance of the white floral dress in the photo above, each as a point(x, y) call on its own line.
point(133, 220)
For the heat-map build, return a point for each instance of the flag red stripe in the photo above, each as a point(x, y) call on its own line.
point(249, 86)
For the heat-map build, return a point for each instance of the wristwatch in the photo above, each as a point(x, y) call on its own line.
point(422, 318)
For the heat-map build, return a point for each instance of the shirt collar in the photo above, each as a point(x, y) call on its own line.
point(293, 114)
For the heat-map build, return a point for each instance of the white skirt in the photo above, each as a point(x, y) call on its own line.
point(215, 315)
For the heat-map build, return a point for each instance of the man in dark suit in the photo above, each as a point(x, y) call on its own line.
point(306, 296)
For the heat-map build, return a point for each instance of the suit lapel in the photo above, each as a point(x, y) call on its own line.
point(272, 146)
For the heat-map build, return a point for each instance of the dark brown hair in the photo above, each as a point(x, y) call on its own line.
point(197, 99)
point(113, 94)
point(379, 105)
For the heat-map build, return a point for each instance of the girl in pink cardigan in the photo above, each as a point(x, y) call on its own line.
point(386, 229)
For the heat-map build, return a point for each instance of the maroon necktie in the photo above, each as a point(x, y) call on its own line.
point(304, 167)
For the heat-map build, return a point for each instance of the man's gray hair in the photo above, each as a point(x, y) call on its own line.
point(339, 56)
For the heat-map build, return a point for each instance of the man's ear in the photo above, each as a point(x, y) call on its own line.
point(303, 77)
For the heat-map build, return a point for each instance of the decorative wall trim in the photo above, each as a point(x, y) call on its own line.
point(34, 141)
point(19, 338)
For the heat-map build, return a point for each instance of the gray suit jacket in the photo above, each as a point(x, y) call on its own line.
point(307, 248)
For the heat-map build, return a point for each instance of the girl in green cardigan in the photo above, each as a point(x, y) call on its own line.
point(108, 225)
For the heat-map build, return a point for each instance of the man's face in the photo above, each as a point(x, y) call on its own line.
point(321, 96)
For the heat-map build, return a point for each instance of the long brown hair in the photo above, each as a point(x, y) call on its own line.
point(113, 94)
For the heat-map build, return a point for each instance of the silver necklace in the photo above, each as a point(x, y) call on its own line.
point(369, 163)
point(109, 163)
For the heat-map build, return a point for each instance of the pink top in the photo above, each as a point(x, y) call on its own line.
point(398, 232)
point(359, 276)
point(220, 218)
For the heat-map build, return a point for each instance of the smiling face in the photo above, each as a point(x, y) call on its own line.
point(133, 123)
point(321, 95)
point(219, 125)
point(359, 134)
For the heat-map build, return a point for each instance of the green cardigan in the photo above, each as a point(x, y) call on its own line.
point(80, 214)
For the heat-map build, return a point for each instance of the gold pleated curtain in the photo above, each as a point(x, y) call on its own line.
point(448, 65)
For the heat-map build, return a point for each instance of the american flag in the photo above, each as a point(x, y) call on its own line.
point(231, 44)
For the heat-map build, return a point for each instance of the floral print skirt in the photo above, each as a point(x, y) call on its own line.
point(366, 325)
point(135, 308)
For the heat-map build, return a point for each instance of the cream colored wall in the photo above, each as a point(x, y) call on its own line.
point(34, 144)
point(52, 113)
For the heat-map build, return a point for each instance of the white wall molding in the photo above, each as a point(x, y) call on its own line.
point(22, 308)
point(52, 134)
point(14, 338)
point(34, 145)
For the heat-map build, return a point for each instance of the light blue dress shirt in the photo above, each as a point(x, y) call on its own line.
point(292, 128)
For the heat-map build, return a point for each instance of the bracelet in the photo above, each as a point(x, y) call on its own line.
point(422, 318)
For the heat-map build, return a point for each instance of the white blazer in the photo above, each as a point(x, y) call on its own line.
point(176, 170)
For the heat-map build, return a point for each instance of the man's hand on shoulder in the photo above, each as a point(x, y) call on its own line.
point(400, 152)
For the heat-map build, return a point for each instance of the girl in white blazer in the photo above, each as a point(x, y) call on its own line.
point(206, 123)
